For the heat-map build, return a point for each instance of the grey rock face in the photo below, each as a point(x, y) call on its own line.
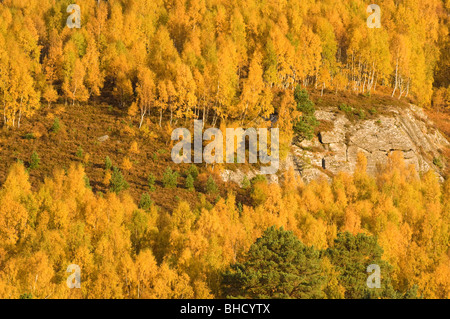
point(406, 130)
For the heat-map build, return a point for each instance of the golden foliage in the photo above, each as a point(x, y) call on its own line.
point(126, 164)
point(125, 252)
point(134, 149)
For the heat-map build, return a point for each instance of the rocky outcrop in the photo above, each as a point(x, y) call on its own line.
point(407, 130)
point(334, 150)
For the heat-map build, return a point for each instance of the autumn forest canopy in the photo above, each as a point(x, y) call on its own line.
point(295, 241)
point(213, 59)
point(140, 226)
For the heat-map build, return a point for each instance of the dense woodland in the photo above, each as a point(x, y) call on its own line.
point(161, 63)
point(396, 220)
point(216, 60)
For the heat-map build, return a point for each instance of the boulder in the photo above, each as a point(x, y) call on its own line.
point(103, 138)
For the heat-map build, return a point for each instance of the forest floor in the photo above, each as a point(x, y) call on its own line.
point(82, 125)
point(80, 128)
point(371, 105)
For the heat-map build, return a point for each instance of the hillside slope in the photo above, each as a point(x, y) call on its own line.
point(393, 125)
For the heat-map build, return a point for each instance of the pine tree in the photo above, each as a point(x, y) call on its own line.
point(56, 125)
point(151, 182)
point(246, 183)
point(190, 182)
point(351, 255)
point(118, 182)
point(307, 122)
point(35, 160)
point(193, 171)
point(277, 265)
point(145, 202)
point(211, 187)
point(170, 178)
point(108, 163)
